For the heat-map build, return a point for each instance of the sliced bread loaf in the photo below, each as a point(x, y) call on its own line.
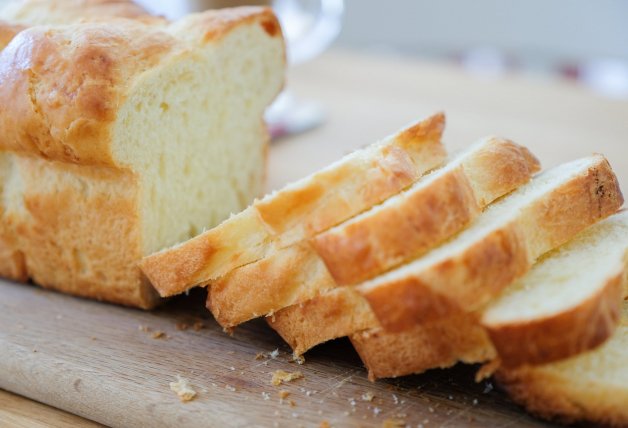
point(400, 229)
point(473, 268)
point(301, 209)
point(404, 226)
point(591, 387)
point(106, 135)
point(569, 302)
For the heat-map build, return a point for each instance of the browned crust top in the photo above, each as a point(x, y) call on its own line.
point(63, 86)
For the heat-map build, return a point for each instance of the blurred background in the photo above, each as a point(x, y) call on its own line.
point(581, 40)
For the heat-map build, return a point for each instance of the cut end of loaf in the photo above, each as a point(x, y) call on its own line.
point(90, 102)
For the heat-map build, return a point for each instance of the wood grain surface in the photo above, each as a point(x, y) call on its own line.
point(92, 359)
point(103, 362)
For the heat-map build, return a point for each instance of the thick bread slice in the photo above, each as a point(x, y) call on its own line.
point(591, 387)
point(436, 344)
point(302, 209)
point(475, 266)
point(569, 302)
point(105, 132)
point(404, 226)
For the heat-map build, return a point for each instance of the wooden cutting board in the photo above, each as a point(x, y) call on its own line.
point(105, 363)
point(102, 362)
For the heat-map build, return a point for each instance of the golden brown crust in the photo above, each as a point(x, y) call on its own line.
point(336, 313)
point(392, 167)
point(214, 24)
point(436, 344)
point(500, 167)
point(77, 230)
point(476, 275)
point(62, 87)
point(254, 290)
point(561, 335)
point(362, 249)
point(304, 209)
point(564, 398)
point(359, 250)
point(470, 278)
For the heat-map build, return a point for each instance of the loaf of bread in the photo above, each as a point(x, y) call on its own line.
point(123, 137)
point(568, 303)
point(472, 269)
point(302, 209)
point(403, 228)
point(590, 388)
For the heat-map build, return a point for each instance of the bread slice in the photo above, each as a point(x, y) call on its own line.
point(17, 15)
point(302, 209)
point(106, 130)
point(475, 266)
point(568, 303)
point(435, 344)
point(400, 229)
point(454, 195)
point(591, 387)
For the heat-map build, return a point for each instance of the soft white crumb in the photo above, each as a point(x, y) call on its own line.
point(183, 389)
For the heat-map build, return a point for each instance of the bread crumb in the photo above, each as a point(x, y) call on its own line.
point(198, 325)
point(324, 424)
point(281, 376)
point(159, 335)
point(230, 352)
point(260, 355)
point(368, 396)
point(144, 328)
point(292, 403)
point(394, 423)
point(283, 394)
point(181, 326)
point(487, 370)
point(183, 389)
